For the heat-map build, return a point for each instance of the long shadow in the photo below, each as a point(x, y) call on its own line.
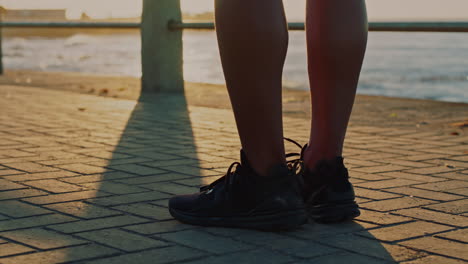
point(160, 130)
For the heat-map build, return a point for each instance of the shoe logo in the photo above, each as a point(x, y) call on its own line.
point(209, 191)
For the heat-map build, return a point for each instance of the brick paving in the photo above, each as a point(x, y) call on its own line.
point(86, 179)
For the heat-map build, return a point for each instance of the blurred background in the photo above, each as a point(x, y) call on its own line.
point(413, 65)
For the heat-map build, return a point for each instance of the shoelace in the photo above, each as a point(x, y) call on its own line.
point(295, 164)
point(227, 178)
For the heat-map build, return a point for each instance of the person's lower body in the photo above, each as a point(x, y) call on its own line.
point(253, 40)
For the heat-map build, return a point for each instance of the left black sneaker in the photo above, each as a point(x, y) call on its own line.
point(327, 192)
point(244, 199)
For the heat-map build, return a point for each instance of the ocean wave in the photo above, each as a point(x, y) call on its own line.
point(444, 78)
point(77, 40)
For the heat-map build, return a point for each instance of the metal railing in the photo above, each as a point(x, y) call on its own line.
point(161, 33)
point(373, 26)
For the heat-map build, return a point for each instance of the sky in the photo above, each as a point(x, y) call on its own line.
point(378, 10)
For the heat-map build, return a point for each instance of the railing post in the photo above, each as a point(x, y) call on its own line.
point(161, 51)
point(2, 10)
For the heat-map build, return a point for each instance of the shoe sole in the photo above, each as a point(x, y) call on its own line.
point(334, 213)
point(271, 222)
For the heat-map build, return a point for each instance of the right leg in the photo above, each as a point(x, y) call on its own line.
point(253, 40)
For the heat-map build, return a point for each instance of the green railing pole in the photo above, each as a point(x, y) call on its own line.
point(1, 31)
point(161, 51)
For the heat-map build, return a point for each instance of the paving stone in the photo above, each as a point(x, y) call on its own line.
point(18, 209)
point(432, 195)
point(363, 163)
point(455, 207)
point(430, 170)
point(116, 162)
point(412, 176)
point(7, 249)
point(405, 231)
point(373, 248)
point(435, 260)
point(286, 245)
point(408, 163)
point(205, 241)
point(192, 170)
point(145, 210)
point(317, 232)
point(443, 186)
point(434, 216)
point(137, 169)
point(84, 160)
point(422, 157)
point(144, 180)
point(35, 221)
point(41, 238)
point(388, 184)
point(178, 162)
point(10, 172)
point(107, 155)
point(8, 185)
point(16, 153)
point(453, 175)
point(171, 188)
point(198, 181)
point(449, 163)
point(159, 227)
point(252, 257)
point(381, 218)
point(65, 197)
point(83, 210)
point(122, 240)
point(82, 168)
point(439, 246)
point(112, 175)
point(130, 198)
point(344, 257)
point(55, 186)
point(112, 187)
point(372, 194)
point(395, 204)
point(155, 155)
point(382, 168)
point(461, 191)
point(366, 176)
point(62, 255)
point(96, 224)
point(30, 167)
point(460, 235)
point(157, 256)
point(41, 176)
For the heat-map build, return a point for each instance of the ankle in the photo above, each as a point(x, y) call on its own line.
point(263, 165)
point(313, 157)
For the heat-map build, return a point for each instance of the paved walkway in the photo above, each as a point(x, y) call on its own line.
point(86, 179)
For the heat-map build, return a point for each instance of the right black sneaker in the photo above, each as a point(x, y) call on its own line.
point(246, 200)
point(327, 192)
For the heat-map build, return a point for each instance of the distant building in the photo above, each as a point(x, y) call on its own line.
point(34, 14)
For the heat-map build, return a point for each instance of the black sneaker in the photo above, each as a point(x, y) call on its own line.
point(327, 192)
point(246, 200)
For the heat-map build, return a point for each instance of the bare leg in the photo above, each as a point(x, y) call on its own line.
point(253, 40)
point(336, 41)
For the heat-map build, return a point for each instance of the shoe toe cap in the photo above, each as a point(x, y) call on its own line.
point(183, 202)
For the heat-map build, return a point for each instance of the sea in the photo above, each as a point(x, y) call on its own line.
point(398, 64)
